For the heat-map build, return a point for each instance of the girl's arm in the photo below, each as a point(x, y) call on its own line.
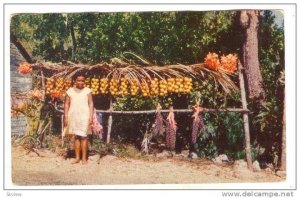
point(91, 107)
point(66, 110)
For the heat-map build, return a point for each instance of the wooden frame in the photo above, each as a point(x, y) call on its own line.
point(242, 110)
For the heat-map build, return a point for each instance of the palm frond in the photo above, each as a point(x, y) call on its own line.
point(139, 73)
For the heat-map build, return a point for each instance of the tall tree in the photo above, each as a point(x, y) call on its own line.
point(249, 22)
point(283, 136)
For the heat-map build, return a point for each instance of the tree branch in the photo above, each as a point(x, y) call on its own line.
point(21, 48)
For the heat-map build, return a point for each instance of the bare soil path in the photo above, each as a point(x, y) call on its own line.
point(51, 169)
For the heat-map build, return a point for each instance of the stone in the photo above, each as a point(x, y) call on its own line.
point(94, 157)
point(256, 166)
point(223, 158)
point(240, 165)
point(164, 154)
point(181, 155)
point(110, 158)
point(281, 173)
point(193, 155)
point(240, 168)
point(268, 170)
point(185, 152)
point(217, 161)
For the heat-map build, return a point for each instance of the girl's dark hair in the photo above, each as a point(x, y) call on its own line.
point(76, 75)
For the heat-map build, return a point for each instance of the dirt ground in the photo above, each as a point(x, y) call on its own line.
point(51, 169)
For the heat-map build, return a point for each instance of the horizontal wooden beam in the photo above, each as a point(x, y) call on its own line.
point(174, 110)
point(239, 110)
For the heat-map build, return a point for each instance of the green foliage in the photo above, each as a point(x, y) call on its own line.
point(162, 37)
point(117, 147)
point(224, 134)
point(206, 143)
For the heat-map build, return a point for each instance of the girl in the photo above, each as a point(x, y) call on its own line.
point(78, 116)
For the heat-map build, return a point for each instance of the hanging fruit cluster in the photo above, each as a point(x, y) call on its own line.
point(212, 61)
point(154, 87)
point(149, 88)
point(198, 123)
point(87, 83)
point(24, 68)
point(56, 88)
point(67, 84)
point(124, 87)
point(163, 87)
point(49, 85)
point(113, 86)
point(59, 84)
point(171, 129)
point(134, 88)
point(17, 108)
point(158, 128)
point(95, 86)
point(145, 89)
point(179, 85)
point(227, 63)
point(104, 85)
point(36, 95)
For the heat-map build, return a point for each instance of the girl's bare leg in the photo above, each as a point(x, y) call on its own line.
point(77, 150)
point(84, 148)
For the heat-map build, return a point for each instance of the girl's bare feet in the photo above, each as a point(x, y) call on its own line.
point(75, 161)
point(84, 162)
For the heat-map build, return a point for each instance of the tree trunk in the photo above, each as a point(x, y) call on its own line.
point(249, 22)
point(70, 27)
point(21, 48)
point(283, 135)
point(74, 44)
point(283, 145)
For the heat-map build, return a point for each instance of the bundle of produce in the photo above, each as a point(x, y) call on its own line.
point(197, 123)
point(158, 125)
point(171, 130)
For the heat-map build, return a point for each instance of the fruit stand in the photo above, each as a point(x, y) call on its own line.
point(122, 79)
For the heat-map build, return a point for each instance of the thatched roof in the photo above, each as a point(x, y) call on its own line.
point(139, 73)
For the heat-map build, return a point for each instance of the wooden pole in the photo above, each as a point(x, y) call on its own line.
point(245, 117)
point(43, 80)
point(109, 122)
point(62, 130)
point(238, 110)
point(175, 111)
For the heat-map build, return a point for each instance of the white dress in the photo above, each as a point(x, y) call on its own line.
point(79, 112)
